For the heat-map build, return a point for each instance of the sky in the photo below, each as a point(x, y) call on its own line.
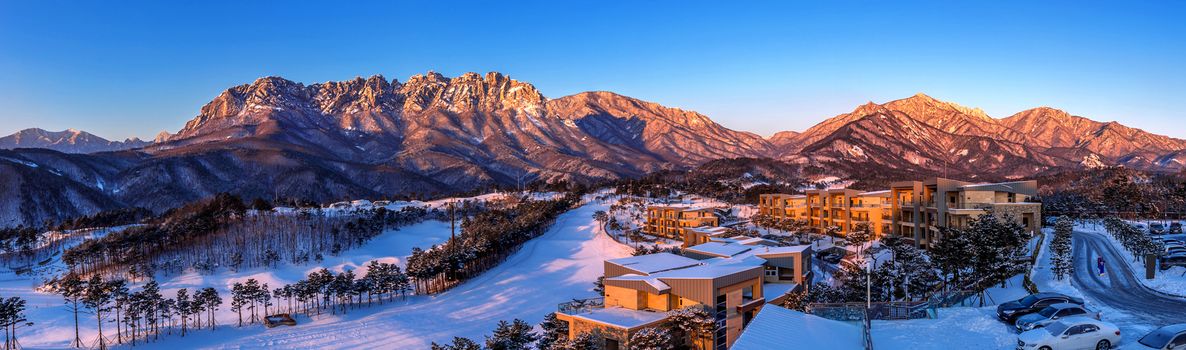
point(128, 68)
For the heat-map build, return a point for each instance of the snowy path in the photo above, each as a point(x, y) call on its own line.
point(1119, 288)
point(556, 267)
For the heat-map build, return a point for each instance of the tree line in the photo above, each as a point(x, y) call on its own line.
point(485, 240)
point(144, 314)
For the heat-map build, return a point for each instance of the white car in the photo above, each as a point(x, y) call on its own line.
point(1072, 333)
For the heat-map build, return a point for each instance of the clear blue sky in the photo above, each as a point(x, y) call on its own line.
point(128, 68)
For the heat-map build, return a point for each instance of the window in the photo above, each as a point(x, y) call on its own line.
point(1179, 341)
point(611, 344)
point(1077, 330)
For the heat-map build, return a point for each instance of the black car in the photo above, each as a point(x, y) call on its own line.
point(1010, 311)
point(1175, 227)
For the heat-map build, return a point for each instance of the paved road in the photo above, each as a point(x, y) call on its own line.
point(1119, 288)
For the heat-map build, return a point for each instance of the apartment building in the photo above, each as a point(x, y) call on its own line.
point(840, 208)
point(911, 209)
point(731, 281)
point(920, 208)
point(670, 220)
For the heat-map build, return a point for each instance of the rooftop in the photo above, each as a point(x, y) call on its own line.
point(651, 280)
point(721, 249)
point(769, 328)
point(621, 317)
point(775, 290)
point(652, 263)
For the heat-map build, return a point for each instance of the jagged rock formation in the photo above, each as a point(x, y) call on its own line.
point(374, 137)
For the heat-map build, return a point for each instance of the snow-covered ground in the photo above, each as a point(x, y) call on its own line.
point(556, 267)
point(54, 325)
point(955, 328)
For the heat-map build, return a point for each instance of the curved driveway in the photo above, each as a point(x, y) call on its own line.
point(1119, 288)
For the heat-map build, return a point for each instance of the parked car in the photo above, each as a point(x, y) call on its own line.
point(1010, 311)
point(1168, 262)
point(1071, 333)
point(1050, 314)
point(1175, 227)
point(1157, 228)
point(832, 258)
point(1172, 337)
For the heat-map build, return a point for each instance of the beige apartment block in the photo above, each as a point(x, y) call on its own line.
point(670, 220)
point(840, 208)
point(921, 208)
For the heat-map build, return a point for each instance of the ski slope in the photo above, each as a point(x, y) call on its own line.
point(556, 267)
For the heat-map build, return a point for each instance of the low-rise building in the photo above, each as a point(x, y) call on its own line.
point(921, 208)
point(669, 221)
point(731, 281)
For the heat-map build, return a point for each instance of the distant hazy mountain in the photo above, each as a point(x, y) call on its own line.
point(373, 137)
point(68, 141)
point(923, 134)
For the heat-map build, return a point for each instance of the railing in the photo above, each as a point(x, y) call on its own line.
point(577, 306)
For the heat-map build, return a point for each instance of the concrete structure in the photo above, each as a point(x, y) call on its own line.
point(921, 208)
point(729, 280)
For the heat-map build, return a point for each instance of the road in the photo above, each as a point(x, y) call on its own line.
point(1119, 288)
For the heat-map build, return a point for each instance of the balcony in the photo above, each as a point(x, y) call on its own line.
point(577, 306)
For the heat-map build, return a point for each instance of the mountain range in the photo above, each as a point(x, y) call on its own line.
point(431, 134)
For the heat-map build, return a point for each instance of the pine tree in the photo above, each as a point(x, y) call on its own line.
point(72, 289)
point(12, 316)
point(98, 299)
point(555, 331)
point(238, 300)
point(211, 300)
point(516, 335)
point(183, 307)
point(652, 339)
point(693, 321)
point(459, 343)
point(119, 294)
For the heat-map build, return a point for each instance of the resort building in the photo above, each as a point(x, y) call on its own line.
point(670, 220)
point(921, 208)
point(910, 209)
point(731, 281)
point(843, 209)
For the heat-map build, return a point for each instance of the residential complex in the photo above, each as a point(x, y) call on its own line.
point(670, 220)
point(910, 209)
point(728, 279)
point(921, 208)
point(843, 209)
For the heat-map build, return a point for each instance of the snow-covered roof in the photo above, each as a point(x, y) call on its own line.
point(780, 251)
point(874, 193)
point(622, 317)
point(773, 291)
point(652, 263)
point(709, 230)
point(651, 280)
point(722, 249)
point(769, 330)
point(753, 241)
point(709, 270)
